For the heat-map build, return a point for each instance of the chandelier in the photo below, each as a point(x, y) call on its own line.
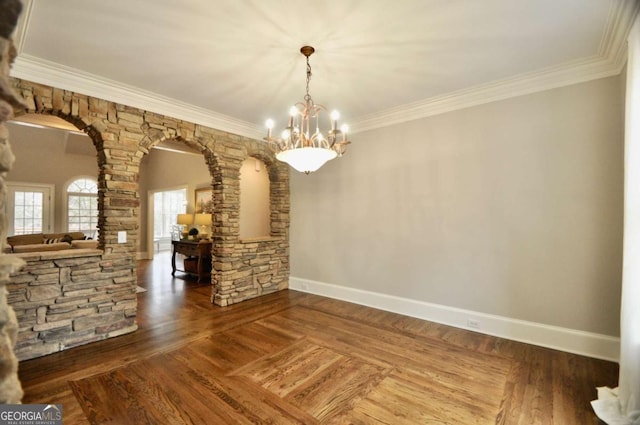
point(299, 146)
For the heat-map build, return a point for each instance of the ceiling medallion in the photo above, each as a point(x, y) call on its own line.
point(298, 146)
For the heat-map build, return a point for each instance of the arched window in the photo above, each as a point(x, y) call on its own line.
point(82, 206)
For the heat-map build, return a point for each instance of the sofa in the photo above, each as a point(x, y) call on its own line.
point(37, 242)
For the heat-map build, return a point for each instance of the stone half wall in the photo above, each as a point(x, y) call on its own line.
point(257, 269)
point(63, 299)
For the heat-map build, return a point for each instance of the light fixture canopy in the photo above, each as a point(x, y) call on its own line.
point(300, 147)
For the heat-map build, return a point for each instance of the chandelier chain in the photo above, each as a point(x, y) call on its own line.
point(307, 97)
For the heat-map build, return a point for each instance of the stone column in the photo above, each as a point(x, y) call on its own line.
point(10, 388)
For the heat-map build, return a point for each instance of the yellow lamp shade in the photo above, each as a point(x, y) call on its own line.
point(203, 220)
point(185, 219)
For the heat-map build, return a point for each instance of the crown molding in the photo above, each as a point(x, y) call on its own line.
point(578, 72)
point(613, 44)
point(40, 71)
point(609, 61)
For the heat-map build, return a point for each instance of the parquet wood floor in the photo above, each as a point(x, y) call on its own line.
point(294, 358)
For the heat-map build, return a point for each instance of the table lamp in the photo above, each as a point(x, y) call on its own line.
point(185, 220)
point(204, 221)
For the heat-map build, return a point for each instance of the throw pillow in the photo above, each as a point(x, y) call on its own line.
point(51, 240)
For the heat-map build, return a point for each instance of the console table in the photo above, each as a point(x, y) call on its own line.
point(198, 249)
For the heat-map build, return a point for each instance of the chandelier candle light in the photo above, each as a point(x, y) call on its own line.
point(298, 146)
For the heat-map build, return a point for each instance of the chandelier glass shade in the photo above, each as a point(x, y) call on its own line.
point(302, 144)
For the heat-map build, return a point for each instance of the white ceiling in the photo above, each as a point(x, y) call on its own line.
point(232, 64)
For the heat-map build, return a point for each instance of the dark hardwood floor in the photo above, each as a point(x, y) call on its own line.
point(297, 358)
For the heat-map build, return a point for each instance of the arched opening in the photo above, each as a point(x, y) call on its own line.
point(170, 175)
point(51, 151)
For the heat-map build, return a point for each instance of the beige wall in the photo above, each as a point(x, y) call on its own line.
point(512, 208)
point(255, 220)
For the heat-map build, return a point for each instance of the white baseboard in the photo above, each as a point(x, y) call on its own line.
point(570, 340)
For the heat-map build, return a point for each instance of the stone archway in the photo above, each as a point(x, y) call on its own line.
point(242, 269)
point(123, 135)
point(248, 268)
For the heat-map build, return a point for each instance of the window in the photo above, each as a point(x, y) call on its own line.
point(29, 208)
point(166, 207)
point(28, 212)
point(82, 206)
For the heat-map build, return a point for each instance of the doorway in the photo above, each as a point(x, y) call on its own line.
point(164, 207)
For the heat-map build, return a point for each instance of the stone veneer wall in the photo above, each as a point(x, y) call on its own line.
point(255, 272)
point(10, 388)
point(123, 135)
point(244, 268)
point(70, 297)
